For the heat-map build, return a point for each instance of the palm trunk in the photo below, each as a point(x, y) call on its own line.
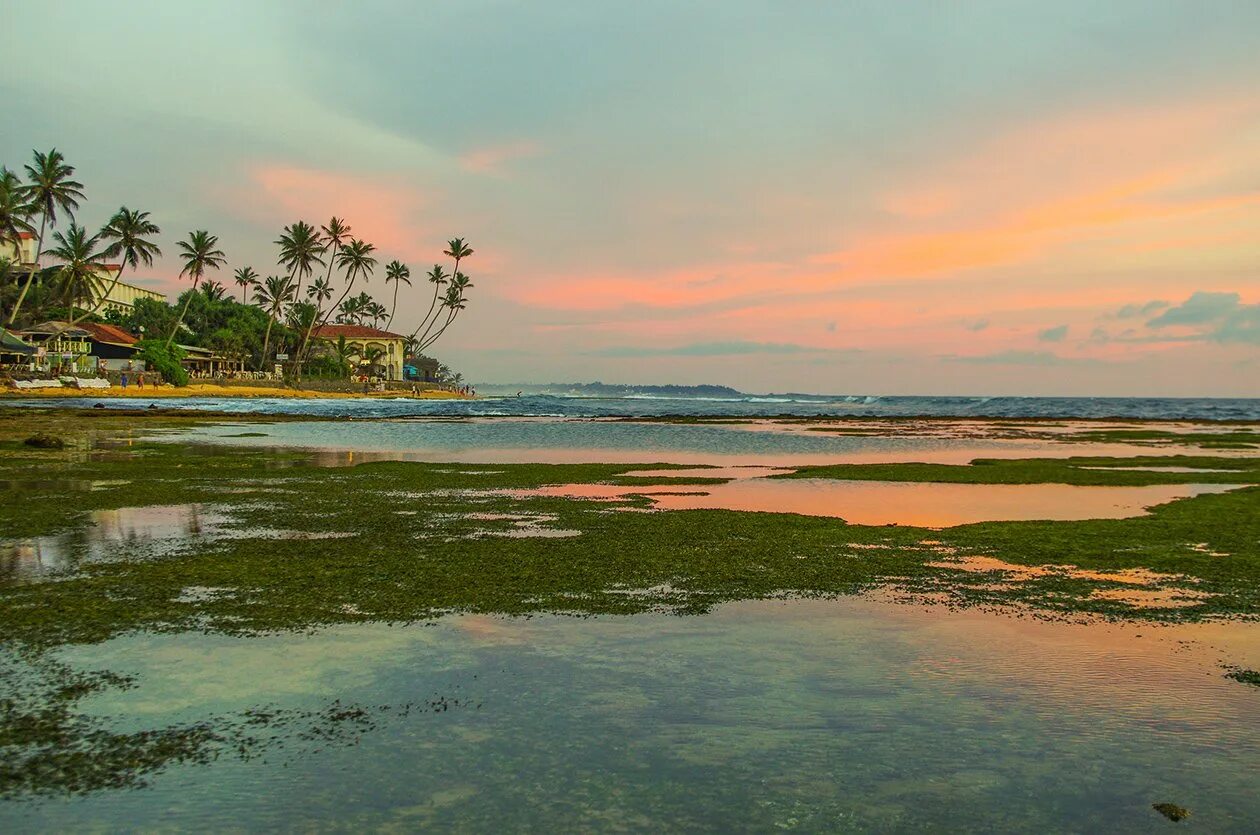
point(447, 324)
point(262, 360)
point(183, 311)
point(432, 307)
point(104, 295)
point(393, 308)
point(30, 276)
point(324, 319)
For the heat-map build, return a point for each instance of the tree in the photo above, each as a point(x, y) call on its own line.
point(77, 279)
point(214, 291)
point(458, 250)
point(356, 259)
point(272, 295)
point(128, 235)
point(454, 302)
point(376, 311)
point(245, 278)
point(15, 213)
point(199, 253)
point(51, 189)
point(300, 250)
point(398, 273)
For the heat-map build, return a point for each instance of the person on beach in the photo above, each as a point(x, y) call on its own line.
point(123, 378)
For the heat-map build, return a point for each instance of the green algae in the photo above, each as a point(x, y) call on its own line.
point(411, 545)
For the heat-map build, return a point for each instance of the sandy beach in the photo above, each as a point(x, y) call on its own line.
point(215, 390)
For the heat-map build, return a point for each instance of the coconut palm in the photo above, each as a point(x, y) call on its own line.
point(319, 292)
point(345, 352)
point(77, 280)
point(272, 295)
point(15, 212)
point(51, 189)
point(454, 302)
point(199, 253)
point(128, 234)
point(245, 278)
point(438, 278)
point(398, 273)
point(214, 291)
point(376, 311)
point(300, 250)
point(356, 259)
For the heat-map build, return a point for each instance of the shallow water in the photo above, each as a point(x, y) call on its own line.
point(1153, 408)
point(919, 504)
point(818, 715)
point(556, 441)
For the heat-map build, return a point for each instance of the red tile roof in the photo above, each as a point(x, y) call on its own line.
point(352, 332)
point(107, 333)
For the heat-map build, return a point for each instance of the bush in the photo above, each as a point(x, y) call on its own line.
point(157, 357)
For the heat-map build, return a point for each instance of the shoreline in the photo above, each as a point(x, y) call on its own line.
point(215, 390)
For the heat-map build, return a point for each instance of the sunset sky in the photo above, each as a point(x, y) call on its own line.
point(841, 197)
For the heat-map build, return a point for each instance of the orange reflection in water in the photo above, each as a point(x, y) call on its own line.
point(917, 504)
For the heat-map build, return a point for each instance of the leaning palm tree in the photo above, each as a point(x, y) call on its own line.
point(245, 278)
point(199, 253)
point(77, 280)
point(15, 212)
point(272, 295)
point(454, 303)
point(398, 273)
point(50, 190)
point(300, 249)
point(127, 233)
point(438, 278)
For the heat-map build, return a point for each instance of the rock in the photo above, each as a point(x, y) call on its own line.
point(98, 405)
point(1172, 811)
point(45, 441)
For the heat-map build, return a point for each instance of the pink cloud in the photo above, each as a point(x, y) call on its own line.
point(491, 159)
point(387, 214)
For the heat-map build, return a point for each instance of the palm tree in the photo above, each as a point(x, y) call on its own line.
point(377, 311)
point(344, 352)
point(454, 303)
point(398, 273)
point(214, 291)
point(15, 212)
point(78, 278)
point(199, 253)
point(356, 259)
point(50, 189)
point(272, 295)
point(245, 278)
point(127, 233)
point(319, 292)
point(300, 248)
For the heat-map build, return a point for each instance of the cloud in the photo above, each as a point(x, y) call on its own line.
point(978, 325)
point(1056, 334)
point(712, 349)
point(388, 214)
point(831, 327)
point(1035, 358)
point(1129, 311)
point(1201, 308)
point(491, 159)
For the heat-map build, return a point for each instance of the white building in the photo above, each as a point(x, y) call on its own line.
point(122, 296)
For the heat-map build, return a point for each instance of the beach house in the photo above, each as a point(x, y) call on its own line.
point(376, 351)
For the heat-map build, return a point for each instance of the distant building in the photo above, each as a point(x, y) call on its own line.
point(422, 369)
point(122, 296)
point(367, 342)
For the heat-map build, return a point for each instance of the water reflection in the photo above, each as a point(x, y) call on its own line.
point(820, 715)
point(920, 504)
point(128, 532)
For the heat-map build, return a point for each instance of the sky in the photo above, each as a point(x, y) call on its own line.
point(976, 198)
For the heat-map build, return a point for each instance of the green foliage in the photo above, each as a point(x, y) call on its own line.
point(163, 358)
